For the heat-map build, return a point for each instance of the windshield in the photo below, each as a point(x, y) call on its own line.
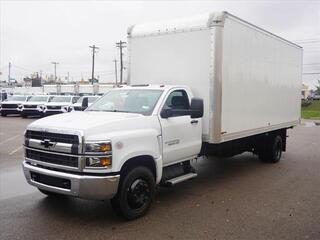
point(60, 99)
point(16, 98)
point(38, 99)
point(132, 101)
point(90, 99)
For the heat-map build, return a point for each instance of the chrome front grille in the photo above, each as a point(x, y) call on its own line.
point(54, 107)
point(9, 105)
point(30, 106)
point(53, 149)
point(52, 158)
point(53, 137)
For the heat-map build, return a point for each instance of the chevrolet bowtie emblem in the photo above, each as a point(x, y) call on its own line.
point(46, 143)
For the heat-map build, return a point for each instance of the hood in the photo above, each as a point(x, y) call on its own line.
point(34, 103)
point(13, 102)
point(92, 123)
point(57, 103)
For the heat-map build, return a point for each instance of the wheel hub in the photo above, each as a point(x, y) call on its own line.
point(138, 194)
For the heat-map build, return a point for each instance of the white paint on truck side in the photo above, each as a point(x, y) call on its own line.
point(249, 78)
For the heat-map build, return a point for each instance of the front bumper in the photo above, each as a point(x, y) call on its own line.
point(52, 112)
point(10, 110)
point(82, 186)
point(31, 111)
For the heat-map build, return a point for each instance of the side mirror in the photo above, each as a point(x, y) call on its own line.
point(196, 108)
point(166, 113)
point(84, 103)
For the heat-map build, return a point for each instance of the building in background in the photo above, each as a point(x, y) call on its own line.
point(33, 81)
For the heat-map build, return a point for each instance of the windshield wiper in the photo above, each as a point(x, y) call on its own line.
point(115, 110)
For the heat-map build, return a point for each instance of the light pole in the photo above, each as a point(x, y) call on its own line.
point(55, 70)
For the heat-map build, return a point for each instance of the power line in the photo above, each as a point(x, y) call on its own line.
point(9, 75)
point(121, 45)
point(93, 54)
point(311, 73)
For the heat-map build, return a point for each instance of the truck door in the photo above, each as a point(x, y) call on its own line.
point(181, 135)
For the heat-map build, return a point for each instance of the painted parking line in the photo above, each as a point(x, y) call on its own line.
point(9, 139)
point(15, 150)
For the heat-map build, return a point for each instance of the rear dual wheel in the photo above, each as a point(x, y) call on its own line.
point(271, 151)
point(135, 193)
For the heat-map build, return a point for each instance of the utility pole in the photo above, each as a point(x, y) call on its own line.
point(55, 70)
point(9, 75)
point(121, 45)
point(93, 53)
point(115, 70)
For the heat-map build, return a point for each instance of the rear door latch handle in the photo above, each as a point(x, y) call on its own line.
point(194, 121)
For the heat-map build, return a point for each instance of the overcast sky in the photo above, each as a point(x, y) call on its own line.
point(35, 33)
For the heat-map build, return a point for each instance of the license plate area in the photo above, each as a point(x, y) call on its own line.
point(51, 181)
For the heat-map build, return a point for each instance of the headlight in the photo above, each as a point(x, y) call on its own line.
point(40, 107)
point(102, 150)
point(99, 162)
point(64, 109)
point(98, 147)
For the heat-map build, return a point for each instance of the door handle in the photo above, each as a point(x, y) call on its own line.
point(194, 122)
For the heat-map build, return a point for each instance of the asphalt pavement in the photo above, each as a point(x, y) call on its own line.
point(232, 198)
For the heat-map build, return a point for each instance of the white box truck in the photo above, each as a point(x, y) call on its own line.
point(208, 85)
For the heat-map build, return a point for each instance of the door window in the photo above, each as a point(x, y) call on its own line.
point(178, 100)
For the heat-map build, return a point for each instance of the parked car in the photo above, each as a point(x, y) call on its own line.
point(59, 104)
point(78, 105)
point(35, 105)
point(3, 97)
point(316, 97)
point(13, 104)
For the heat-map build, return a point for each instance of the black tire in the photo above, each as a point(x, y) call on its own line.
point(49, 194)
point(135, 193)
point(3, 114)
point(271, 152)
point(24, 116)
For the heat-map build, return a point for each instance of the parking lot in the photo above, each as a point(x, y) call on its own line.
point(232, 198)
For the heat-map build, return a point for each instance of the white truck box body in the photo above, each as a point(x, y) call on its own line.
point(249, 79)
point(67, 88)
point(85, 88)
point(50, 89)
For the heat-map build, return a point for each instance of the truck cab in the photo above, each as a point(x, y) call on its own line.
point(34, 106)
point(78, 105)
point(125, 139)
point(58, 104)
point(13, 104)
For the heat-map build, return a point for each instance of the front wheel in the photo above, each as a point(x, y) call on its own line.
point(135, 193)
point(271, 152)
